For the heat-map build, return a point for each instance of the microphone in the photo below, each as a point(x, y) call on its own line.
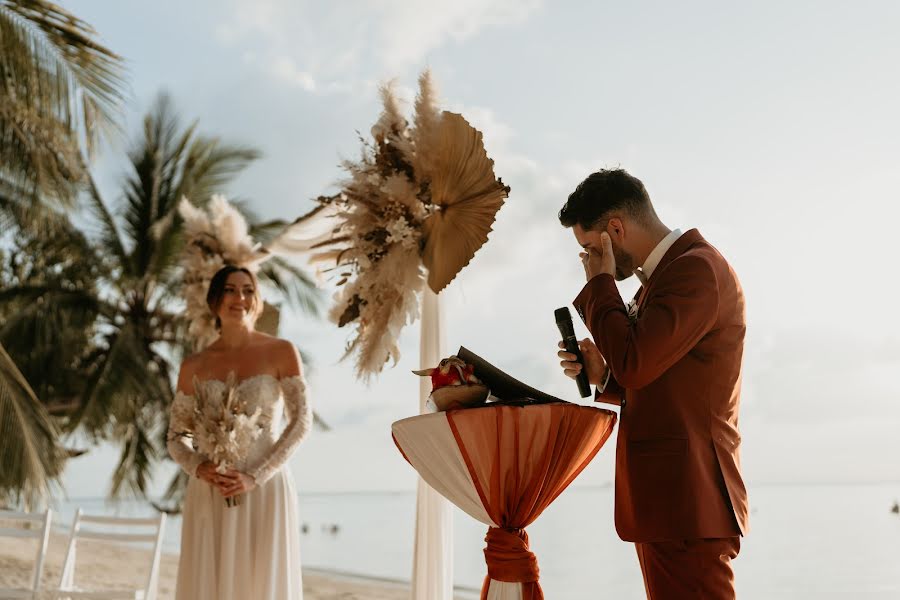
point(564, 322)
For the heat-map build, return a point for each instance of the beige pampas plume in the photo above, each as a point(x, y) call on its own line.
point(427, 121)
point(428, 115)
point(391, 119)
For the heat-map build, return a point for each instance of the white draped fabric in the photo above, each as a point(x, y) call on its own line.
point(429, 446)
point(504, 590)
point(432, 577)
point(431, 449)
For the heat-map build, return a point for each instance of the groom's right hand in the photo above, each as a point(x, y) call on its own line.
point(593, 362)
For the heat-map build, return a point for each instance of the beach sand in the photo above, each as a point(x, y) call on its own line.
point(111, 566)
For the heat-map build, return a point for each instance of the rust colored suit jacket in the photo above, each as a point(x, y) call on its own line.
point(676, 372)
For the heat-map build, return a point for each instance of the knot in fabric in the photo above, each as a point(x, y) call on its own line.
point(508, 557)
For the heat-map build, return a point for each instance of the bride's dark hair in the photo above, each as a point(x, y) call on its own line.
point(217, 290)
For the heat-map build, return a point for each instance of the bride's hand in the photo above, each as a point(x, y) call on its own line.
point(207, 472)
point(239, 483)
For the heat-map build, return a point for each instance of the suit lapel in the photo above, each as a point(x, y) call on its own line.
point(680, 246)
point(638, 296)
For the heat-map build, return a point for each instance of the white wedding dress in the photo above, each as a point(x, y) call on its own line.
point(250, 551)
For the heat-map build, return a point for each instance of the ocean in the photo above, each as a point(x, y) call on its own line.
point(806, 541)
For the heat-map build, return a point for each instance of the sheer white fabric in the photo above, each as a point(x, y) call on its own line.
point(429, 445)
point(432, 576)
point(299, 417)
point(178, 439)
point(251, 550)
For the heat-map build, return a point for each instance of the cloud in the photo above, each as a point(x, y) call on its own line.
point(284, 69)
point(408, 30)
point(323, 46)
point(810, 377)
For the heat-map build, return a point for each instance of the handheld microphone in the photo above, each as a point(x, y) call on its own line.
point(564, 322)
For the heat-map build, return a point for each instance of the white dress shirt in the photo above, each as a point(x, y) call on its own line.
point(645, 271)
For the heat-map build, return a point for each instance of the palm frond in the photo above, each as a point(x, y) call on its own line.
point(50, 298)
point(134, 469)
point(295, 284)
point(59, 91)
point(110, 238)
point(174, 494)
point(211, 164)
point(320, 422)
point(38, 154)
point(55, 62)
point(120, 374)
point(30, 453)
point(22, 207)
point(263, 231)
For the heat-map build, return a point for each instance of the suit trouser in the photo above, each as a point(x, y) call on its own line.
point(689, 569)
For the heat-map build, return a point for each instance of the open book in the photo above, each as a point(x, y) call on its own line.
point(501, 384)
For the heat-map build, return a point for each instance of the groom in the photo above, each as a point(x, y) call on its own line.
point(672, 360)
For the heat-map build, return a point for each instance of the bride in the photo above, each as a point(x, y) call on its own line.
point(251, 550)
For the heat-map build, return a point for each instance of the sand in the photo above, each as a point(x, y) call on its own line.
point(111, 566)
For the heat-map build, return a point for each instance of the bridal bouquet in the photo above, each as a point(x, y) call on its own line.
point(222, 426)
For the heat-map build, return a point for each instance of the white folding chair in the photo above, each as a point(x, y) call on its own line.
point(67, 589)
point(29, 529)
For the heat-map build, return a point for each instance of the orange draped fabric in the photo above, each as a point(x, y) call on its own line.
point(520, 459)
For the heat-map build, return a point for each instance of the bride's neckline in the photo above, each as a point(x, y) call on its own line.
point(243, 381)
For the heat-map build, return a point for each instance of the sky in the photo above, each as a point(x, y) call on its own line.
point(771, 127)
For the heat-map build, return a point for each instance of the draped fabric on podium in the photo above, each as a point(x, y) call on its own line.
point(503, 465)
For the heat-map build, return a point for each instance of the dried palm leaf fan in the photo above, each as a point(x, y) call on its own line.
point(466, 195)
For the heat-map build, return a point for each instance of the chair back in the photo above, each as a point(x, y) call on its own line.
point(84, 527)
point(28, 526)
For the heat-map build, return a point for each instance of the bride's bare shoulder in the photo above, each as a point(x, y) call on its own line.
point(190, 366)
point(272, 343)
point(193, 361)
point(283, 353)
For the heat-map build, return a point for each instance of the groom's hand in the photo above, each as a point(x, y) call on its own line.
point(596, 262)
point(593, 362)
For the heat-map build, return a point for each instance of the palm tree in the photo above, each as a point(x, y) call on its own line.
point(59, 90)
point(123, 382)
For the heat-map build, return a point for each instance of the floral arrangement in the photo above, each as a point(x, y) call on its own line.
point(416, 207)
point(454, 385)
point(216, 235)
point(632, 309)
point(221, 426)
point(450, 372)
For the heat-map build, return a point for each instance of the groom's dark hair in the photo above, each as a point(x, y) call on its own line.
point(603, 192)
